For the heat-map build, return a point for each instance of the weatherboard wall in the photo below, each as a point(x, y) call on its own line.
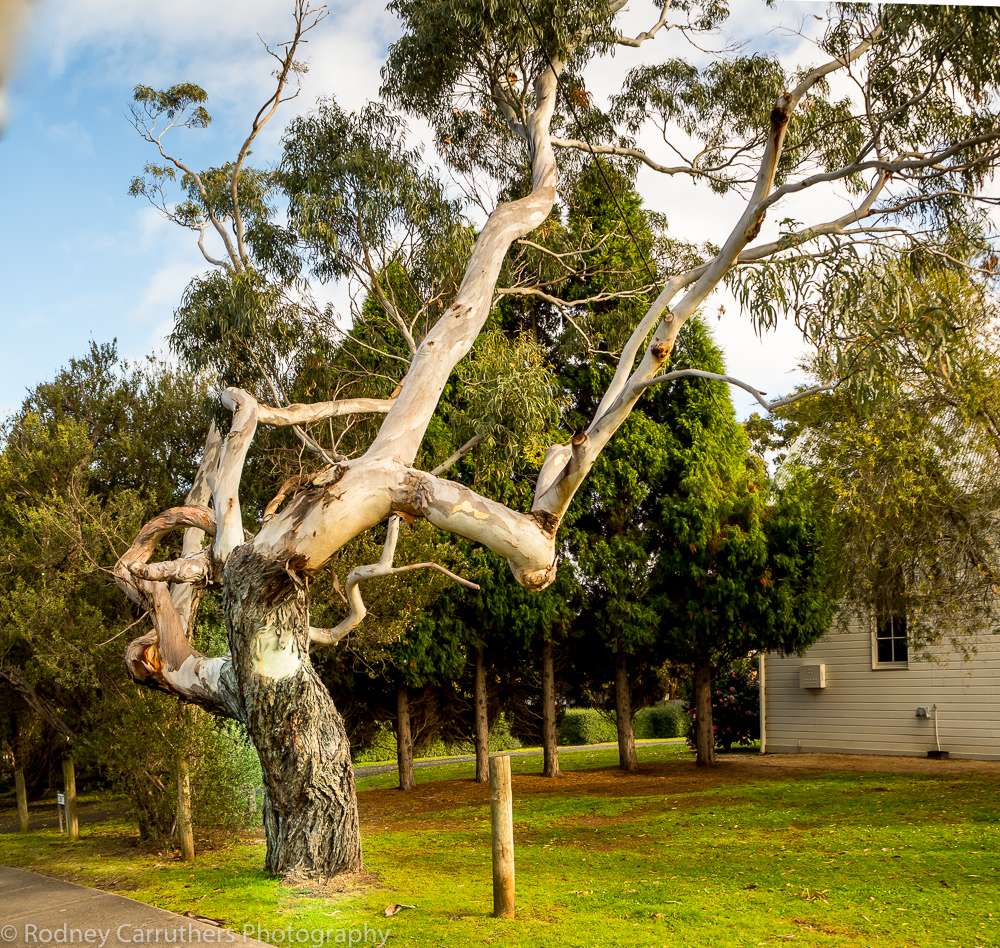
point(866, 710)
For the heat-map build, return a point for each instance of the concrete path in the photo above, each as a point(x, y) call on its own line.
point(36, 910)
point(373, 770)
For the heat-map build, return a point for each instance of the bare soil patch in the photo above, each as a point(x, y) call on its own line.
point(679, 781)
point(323, 887)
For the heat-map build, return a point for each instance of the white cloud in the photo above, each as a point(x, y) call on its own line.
point(162, 293)
point(218, 46)
point(71, 136)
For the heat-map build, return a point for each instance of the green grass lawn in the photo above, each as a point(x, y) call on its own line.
point(743, 856)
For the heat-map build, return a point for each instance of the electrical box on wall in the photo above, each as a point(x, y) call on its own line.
point(812, 676)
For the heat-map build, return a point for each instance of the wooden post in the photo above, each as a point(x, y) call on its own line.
point(69, 785)
point(502, 820)
point(184, 828)
point(22, 799)
point(550, 746)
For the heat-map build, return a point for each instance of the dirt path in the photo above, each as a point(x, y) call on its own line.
point(680, 777)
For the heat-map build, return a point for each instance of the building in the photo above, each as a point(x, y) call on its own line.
point(864, 691)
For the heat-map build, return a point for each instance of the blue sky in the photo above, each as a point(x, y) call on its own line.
point(83, 260)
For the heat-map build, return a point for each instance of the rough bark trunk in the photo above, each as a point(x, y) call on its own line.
point(704, 727)
point(404, 740)
point(627, 758)
point(482, 721)
point(310, 807)
point(550, 749)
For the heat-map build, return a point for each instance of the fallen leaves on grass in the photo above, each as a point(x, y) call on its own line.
point(814, 895)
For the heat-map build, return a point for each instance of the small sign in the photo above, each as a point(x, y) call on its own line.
point(61, 799)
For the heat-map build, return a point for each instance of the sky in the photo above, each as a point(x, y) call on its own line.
point(82, 261)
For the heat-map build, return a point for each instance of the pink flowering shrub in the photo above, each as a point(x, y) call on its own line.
point(735, 705)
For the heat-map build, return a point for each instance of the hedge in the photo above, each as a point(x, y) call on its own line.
point(587, 726)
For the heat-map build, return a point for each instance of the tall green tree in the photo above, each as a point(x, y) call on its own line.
point(740, 564)
point(86, 460)
point(741, 569)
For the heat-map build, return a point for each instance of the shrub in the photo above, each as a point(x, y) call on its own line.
point(735, 705)
point(586, 726)
point(227, 784)
point(382, 747)
point(501, 739)
point(661, 722)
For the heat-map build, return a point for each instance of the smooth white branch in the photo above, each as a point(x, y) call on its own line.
point(759, 395)
point(299, 414)
point(384, 567)
point(455, 332)
point(637, 41)
point(458, 455)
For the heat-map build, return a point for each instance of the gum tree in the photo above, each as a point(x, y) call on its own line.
point(912, 481)
point(907, 142)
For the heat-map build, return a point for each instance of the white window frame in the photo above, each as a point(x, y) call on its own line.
point(886, 666)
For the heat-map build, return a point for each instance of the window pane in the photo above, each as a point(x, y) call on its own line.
point(884, 649)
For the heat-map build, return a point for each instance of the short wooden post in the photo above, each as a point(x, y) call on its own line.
point(22, 799)
point(69, 788)
point(184, 828)
point(502, 820)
